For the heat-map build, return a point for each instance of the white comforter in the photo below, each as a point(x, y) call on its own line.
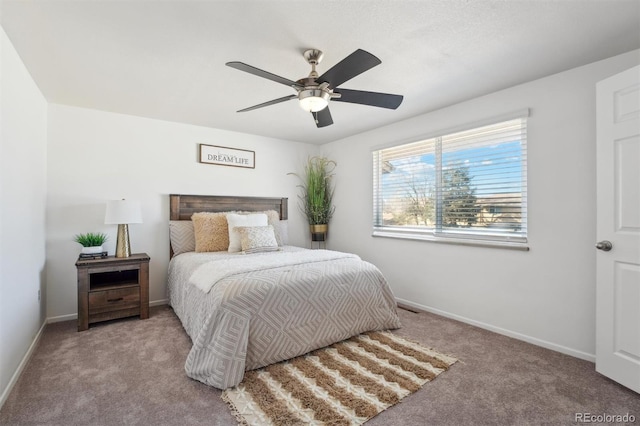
point(246, 311)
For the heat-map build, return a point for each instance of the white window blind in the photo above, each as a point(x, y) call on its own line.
point(468, 186)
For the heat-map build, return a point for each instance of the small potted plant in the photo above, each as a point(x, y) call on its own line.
point(91, 242)
point(316, 200)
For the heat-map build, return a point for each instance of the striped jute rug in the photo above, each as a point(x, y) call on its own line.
point(346, 383)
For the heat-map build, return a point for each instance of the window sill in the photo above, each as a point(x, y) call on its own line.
point(510, 245)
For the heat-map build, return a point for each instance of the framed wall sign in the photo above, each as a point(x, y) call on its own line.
point(223, 156)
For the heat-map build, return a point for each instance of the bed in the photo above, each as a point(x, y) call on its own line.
point(245, 311)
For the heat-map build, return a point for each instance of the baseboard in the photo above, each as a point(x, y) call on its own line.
point(159, 302)
point(25, 359)
point(60, 318)
point(529, 339)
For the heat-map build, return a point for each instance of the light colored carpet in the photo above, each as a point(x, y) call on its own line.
point(346, 383)
point(131, 372)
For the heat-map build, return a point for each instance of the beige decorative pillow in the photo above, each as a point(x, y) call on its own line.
point(236, 220)
point(273, 218)
point(182, 237)
point(211, 231)
point(254, 239)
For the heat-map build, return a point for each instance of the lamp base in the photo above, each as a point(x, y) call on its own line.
point(123, 248)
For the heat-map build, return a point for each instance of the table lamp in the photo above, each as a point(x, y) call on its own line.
point(121, 213)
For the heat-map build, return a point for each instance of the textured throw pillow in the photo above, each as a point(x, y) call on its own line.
point(211, 231)
point(181, 236)
point(255, 239)
point(273, 219)
point(234, 220)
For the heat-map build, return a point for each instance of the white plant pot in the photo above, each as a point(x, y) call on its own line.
point(92, 250)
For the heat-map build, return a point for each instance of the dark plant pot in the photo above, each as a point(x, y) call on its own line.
point(318, 232)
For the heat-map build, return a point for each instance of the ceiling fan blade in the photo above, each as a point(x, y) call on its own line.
point(351, 66)
point(261, 73)
point(382, 100)
point(322, 117)
point(273, 102)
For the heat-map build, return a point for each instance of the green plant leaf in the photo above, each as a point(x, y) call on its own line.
point(91, 239)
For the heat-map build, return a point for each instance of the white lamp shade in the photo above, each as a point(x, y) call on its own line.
point(123, 211)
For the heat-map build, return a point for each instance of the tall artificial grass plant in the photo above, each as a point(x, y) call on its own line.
point(316, 198)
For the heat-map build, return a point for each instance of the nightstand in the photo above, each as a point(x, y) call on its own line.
point(112, 287)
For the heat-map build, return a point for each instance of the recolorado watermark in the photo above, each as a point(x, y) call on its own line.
point(604, 418)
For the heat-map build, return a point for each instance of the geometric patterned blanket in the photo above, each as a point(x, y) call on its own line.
point(256, 318)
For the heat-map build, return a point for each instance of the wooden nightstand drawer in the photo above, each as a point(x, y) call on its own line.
point(111, 300)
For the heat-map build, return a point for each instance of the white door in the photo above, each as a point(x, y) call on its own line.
point(618, 222)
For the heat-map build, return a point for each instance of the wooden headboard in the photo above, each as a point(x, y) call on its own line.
point(183, 206)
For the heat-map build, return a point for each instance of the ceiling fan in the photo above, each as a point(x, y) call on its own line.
point(314, 92)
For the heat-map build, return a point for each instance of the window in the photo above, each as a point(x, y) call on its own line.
point(467, 187)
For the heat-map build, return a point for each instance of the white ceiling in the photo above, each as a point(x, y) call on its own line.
point(166, 59)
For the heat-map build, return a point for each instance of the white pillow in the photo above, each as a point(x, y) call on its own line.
point(259, 219)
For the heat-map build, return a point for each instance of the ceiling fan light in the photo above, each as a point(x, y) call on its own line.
point(314, 100)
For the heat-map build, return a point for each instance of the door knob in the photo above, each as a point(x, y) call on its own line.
point(604, 245)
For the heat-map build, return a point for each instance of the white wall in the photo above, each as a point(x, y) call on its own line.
point(97, 156)
point(546, 295)
point(23, 152)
